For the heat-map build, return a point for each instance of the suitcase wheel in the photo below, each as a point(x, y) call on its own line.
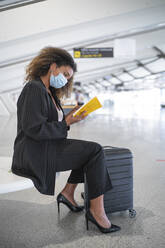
point(132, 213)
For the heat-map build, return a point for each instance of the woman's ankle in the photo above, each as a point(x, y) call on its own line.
point(69, 189)
point(97, 211)
point(97, 205)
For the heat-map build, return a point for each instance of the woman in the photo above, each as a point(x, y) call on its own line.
point(41, 147)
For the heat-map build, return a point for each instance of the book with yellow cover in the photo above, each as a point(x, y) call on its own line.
point(89, 107)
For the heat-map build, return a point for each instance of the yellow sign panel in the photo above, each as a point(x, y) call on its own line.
point(77, 54)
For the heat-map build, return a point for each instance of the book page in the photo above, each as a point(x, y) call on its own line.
point(89, 107)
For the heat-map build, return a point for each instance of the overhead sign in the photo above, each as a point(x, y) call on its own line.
point(104, 52)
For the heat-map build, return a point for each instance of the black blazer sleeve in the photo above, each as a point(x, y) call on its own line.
point(34, 116)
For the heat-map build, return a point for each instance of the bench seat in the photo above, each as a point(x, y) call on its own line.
point(10, 182)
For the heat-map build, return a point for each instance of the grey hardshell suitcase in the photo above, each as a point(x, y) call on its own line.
point(120, 168)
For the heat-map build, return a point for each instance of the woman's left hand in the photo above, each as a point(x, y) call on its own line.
point(70, 119)
point(73, 110)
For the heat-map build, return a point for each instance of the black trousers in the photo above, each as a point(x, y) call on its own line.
point(84, 157)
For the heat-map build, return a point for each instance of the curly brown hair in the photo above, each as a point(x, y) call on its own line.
point(39, 66)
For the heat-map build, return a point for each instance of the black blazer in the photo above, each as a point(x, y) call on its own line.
point(37, 129)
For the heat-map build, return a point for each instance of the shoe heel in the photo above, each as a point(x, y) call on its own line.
point(58, 205)
point(87, 222)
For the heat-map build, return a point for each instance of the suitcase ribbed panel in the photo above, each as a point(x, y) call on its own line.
point(119, 188)
point(119, 195)
point(120, 169)
point(118, 162)
point(120, 175)
point(119, 203)
point(118, 208)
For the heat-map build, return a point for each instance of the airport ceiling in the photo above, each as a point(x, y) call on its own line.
point(11, 4)
point(145, 69)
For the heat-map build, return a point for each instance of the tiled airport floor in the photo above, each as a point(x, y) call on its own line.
point(30, 219)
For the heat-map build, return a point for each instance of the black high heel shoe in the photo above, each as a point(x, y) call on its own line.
point(89, 217)
point(62, 199)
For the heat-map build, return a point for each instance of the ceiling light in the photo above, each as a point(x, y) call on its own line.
point(139, 72)
point(125, 77)
point(157, 66)
point(114, 80)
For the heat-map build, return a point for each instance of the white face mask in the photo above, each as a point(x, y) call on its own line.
point(58, 81)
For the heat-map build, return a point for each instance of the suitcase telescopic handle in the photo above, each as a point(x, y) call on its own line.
point(106, 147)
